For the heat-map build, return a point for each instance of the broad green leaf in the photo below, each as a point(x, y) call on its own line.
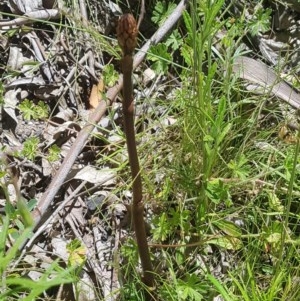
point(25, 213)
point(228, 227)
point(228, 243)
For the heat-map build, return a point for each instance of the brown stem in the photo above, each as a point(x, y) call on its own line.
point(127, 32)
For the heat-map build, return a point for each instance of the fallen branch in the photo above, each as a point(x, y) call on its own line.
point(38, 15)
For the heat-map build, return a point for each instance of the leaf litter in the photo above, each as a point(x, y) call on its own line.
point(48, 54)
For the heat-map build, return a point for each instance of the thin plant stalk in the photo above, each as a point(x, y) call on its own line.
point(289, 203)
point(127, 33)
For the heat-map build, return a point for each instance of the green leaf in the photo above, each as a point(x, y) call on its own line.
point(174, 41)
point(31, 204)
point(187, 22)
point(161, 11)
point(25, 213)
point(260, 22)
point(161, 58)
point(274, 237)
point(27, 108)
point(41, 110)
point(163, 229)
point(53, 153)
point(217, 191)
point(77, 253)
point(30, 148)
point(187, 53)
point(33, 111)
point(274, 202)
point(9, 209)
point(228, 243)
point(228, 227)
point(110, 75)
point(191, 288)
point(223, 133)
point(239, 167)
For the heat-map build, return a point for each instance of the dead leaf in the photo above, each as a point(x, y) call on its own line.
point(96, 94)
point(96, 176)
point(286, 135)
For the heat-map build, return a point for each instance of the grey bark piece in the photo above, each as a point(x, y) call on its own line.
point(25, 6)
point(259, 73)
point(10, 103)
